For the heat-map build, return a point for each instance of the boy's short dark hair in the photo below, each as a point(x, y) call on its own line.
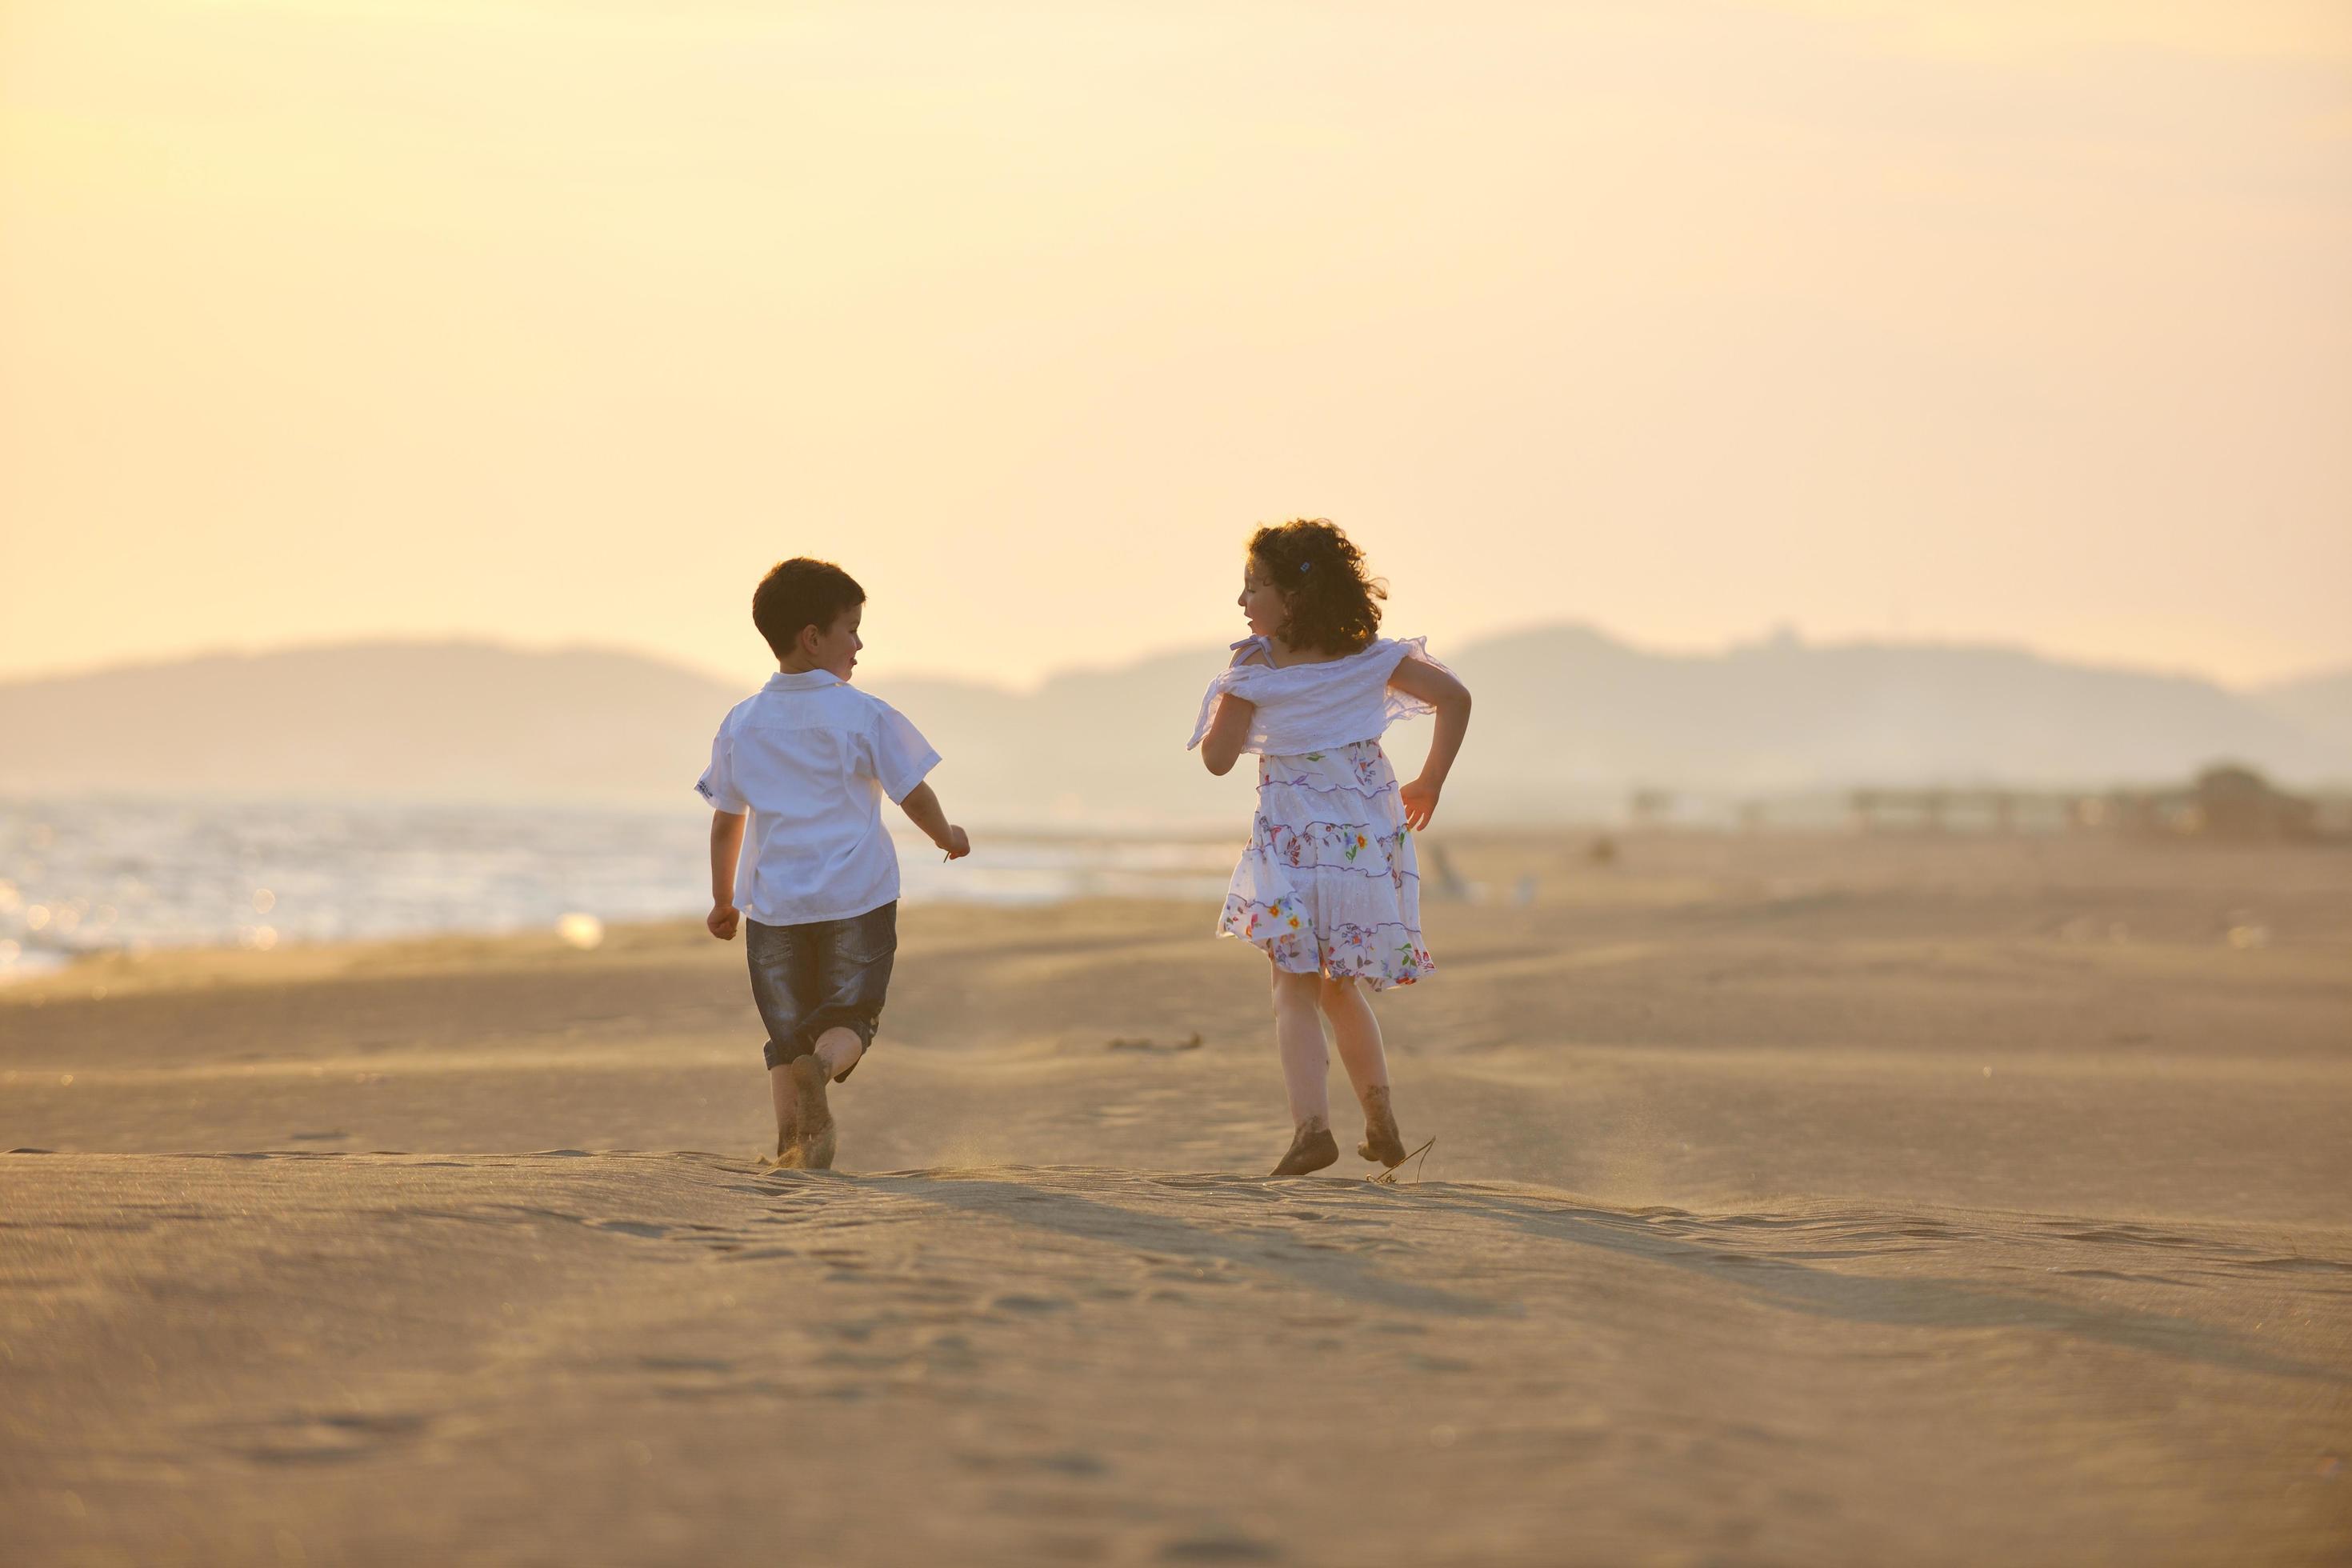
point(798, 592)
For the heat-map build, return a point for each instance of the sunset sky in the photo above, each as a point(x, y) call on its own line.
point(2019, 320)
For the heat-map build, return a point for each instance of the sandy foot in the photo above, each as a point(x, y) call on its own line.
point(818, 1136)
point(1383, 1141)
point(1312, 1149)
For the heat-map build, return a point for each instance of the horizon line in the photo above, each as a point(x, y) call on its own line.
point(1782, 634)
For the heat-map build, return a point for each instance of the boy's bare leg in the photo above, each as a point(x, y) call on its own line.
point(813, 1145)
point(1356, 1033)
point(787, 1113)
point(836, 1051)
point(840, 1048)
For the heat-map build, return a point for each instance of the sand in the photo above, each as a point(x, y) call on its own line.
point(1793, 1200)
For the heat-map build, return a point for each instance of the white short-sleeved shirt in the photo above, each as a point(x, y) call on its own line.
point(811, 757)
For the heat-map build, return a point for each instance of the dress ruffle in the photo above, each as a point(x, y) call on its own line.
point(1328, 883)
point(1316, 707)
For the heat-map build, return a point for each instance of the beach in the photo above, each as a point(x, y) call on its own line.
point(1794, 1198)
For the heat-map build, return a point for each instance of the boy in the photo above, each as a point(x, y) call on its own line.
point(807, 760)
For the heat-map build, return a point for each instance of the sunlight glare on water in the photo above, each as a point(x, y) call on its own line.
point(131, 876)
point(579, 931)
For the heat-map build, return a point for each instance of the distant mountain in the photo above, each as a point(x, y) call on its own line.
point(444, 720)
point(2320, 705)
point(1782, 715)
point(1568, 720)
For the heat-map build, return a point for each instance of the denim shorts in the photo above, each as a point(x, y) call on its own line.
point(826, 974)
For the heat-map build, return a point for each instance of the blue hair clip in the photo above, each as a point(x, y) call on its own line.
point(1304, 564)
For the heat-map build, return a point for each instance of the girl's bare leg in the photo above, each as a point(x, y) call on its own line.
point(1305, 1059)
point(1306, 1073)
point(1356, 1032)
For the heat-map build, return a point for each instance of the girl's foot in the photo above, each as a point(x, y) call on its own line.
point(816, 1134)
point(1311, 1151)
point(1383, 1141)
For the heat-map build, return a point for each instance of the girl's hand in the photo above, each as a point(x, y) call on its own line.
point(723, 921)
point(1420, 800)
point(958, 843)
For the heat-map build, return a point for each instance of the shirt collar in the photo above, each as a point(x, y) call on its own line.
point(801, 680)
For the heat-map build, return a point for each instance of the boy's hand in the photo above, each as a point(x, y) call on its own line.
point(1419, 799)
point(723, 920)
point(922, 808)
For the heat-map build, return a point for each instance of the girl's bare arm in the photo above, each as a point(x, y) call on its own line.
point(1451, 701)
point(1221, 747)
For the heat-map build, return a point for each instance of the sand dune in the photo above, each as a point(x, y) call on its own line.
point(1830, 1202)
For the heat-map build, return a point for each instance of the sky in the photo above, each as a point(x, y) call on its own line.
point(2021, 321)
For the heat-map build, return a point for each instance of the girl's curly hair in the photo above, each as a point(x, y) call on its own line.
point(1333, 607)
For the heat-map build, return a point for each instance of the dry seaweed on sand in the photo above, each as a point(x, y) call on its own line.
point(1191, 1042)
point(1388, 1178)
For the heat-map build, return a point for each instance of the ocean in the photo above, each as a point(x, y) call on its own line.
point(97, 876)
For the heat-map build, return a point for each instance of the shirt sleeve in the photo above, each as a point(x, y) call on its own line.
point(717, 785)
point(1228, 679)
point(901, 756)
point(1403, 704)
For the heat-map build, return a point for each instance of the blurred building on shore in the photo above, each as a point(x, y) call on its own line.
point(2226, 802)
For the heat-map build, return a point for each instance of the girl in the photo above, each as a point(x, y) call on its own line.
point(1327, 885)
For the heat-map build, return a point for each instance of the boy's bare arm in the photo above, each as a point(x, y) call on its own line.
point(1451, 701)
point(726, 843)
point(922, 808)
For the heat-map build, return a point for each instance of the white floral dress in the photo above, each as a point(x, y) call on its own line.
point(1327, 882)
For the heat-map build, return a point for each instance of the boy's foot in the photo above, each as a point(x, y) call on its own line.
point(817, 1137)
point(1313, 1149)
point(1383, 1141)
